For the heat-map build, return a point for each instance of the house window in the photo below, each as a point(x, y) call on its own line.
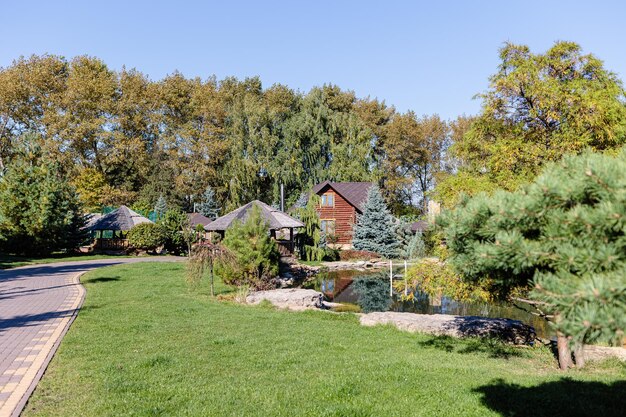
point(328, 200)
point(328, 227)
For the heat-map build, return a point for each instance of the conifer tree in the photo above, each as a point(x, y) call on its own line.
point(256, 253)
point(209, 207)
point(160, 207)
point(559, 242)
point(375, 229)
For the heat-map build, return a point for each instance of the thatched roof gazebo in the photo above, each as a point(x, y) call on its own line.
point(110, 230)
point(276, 219)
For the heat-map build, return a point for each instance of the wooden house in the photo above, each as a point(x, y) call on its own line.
point(340, 202)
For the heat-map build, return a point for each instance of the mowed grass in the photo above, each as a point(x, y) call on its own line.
point(144, 344)
point(13, 261)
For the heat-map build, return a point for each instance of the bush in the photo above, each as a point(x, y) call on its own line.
point(256, 253)
point(438, 279)
point(147, 236)
point(176, 224)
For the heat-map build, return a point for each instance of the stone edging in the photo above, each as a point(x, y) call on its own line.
point(20, 396)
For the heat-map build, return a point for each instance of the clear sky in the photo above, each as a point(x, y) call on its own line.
point(427, 56)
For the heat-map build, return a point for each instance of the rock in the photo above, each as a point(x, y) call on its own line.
point(507, 330)
point(597, 353)
point(292, 298)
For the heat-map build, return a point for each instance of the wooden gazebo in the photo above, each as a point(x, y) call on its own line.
point(110, 230)
point(277, 220)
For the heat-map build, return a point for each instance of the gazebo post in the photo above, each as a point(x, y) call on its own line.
point(291, 245)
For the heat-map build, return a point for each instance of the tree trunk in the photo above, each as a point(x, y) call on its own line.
point(565, 355)
point(579, 355)
point(211, 279)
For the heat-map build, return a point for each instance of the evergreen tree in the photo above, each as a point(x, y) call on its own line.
point(375, 229)
point(560, 242)
point(160, 207)
point(209, 207)
point(255, 251)
point(39, 210)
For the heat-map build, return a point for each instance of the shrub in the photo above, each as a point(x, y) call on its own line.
point(255, 251)
point(438, 279)
point(147, 236)
point(176, 224)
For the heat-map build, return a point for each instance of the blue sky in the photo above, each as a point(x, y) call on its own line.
point(430, 57)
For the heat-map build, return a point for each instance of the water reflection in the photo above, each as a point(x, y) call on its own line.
point(370, 291)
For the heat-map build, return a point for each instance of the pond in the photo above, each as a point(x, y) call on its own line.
point(368, 291)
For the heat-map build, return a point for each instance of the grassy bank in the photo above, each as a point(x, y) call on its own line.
point(145, 345)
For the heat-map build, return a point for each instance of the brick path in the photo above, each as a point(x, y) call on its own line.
point(37, 305)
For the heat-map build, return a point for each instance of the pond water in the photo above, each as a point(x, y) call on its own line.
point(369, 290)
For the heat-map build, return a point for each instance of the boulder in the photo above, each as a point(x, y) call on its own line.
point(507, 330)
point(291, 298)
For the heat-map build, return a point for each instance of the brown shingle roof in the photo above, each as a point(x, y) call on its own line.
point(198, 218)
point(354, 192)
point(276, 218)
point(121, 219)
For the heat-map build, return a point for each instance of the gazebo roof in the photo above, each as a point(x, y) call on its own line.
point(121, 219)
point(198, 218)
point(275, 218)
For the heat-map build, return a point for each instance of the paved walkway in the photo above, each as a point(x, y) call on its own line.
point(37, 305)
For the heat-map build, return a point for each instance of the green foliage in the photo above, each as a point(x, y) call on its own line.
point(310, 240)
point(538, 108)
point(415, 248)
point(176, 225)
point(147, 236)
point(40, 212)
point(209, 207)
point(437, 279)
point(561, 240)
point(255, 251)
point(375, 229)
point(160, 208)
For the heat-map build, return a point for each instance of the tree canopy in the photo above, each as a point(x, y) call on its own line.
point(538, 107)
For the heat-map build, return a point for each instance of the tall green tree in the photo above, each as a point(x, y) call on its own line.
point(40, 211)
point(559, 243)
point(375, 229)
point(539, 107)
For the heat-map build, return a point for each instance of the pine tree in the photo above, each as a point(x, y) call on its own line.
point(40, 211)
point(255, 251)
point(160, 207)
point(560, 242)
point(375, 229)
point(209, 207)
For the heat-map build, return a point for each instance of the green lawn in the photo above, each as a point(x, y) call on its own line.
point(145, 345)
point(13, 261)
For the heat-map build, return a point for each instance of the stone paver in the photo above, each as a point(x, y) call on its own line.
point(37, 305)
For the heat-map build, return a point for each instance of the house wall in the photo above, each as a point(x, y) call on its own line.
point(344, 215)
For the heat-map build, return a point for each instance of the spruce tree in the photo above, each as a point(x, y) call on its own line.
point(209, 207)
point(160, 207)
point(375, 229)
point(559, 242)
